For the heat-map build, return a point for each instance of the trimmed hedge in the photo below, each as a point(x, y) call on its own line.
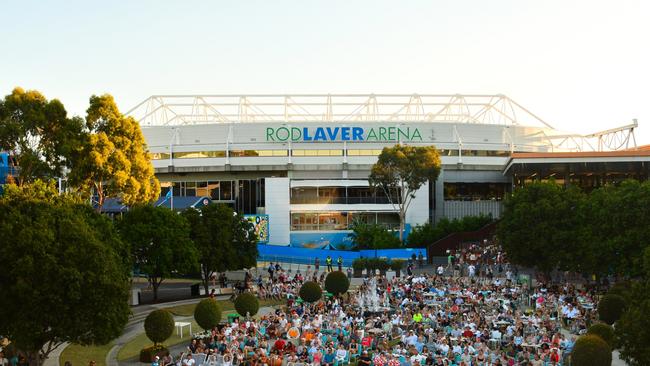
point(591, 350)
point(247, 304)
point(207, 313)
point(310, 291)
point(359, 264)
point(610, 308)
point(337, 283)
point(397, 264)
point(159, 325)
point(604, 331)
point(147, 354)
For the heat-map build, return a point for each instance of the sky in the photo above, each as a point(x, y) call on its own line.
point(582, 66)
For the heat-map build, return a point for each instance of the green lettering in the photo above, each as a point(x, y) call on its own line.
point(269, 134)
point(382, 133)
point(391, 133)
point(401, 133)
point(416, 133)
point(286, 133)
point(296, 134)
point(371, 135)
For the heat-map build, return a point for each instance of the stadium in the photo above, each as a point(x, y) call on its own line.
point(298, 164)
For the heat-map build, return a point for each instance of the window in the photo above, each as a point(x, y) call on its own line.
point(448, 152)
point(202, 189)
point(226, 188)
point(475, 191)
point(332, 221)
point(159, 156)
point(364, 152)
point(304, 195)
point(316, 152)
point(213, 190)
point(304, 221)
point(199, 154)
point(263, 153)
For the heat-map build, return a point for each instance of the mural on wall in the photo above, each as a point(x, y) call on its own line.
point(261, 225)
point(322, 240)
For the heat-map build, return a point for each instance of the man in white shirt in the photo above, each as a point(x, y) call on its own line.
point(440, 270)
point(189, 361)
point(472, 270)
point(341, 353)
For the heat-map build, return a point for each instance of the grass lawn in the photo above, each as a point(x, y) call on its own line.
point(132, 348)
point(82, 355)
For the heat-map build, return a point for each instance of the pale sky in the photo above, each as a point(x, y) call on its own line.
point(581, 66)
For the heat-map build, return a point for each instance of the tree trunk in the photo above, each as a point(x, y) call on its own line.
point(154, 285)
point(206, 281)
point(401, 226)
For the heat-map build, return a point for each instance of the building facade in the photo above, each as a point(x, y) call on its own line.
point(302, 162)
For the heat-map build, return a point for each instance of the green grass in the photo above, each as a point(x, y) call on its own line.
point(132, 348)
point(82, 355)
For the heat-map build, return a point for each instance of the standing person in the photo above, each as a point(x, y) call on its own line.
point(328, 262)
point(316, 265)
point(349, 273)
point(339, 261)
point(421, 260)
point(271, 270)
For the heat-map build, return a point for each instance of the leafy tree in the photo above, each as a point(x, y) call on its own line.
point(38, 134)
point(538, 226)
point(372, 236)
point(207, 313)
point(114, 161)
point(610, 308)
point(633, 328)
point(591, 350)
point(62, 280)
point(160, 242)
point(159, 325)
point(337, 283)
point(428, 233)
point(247, 304)
point(400, 171)
point(604, 331)
point(310, 291)
point(224, 241)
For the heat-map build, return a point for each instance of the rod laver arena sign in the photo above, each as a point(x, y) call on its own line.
point(306, 134)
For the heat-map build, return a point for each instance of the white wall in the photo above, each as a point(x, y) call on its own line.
point(277, 207)
point(418, 212)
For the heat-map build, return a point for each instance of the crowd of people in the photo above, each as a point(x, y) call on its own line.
point(448, 318)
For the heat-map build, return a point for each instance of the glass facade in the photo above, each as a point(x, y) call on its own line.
point(199, 154)
point(321, 152)
point(159, 156)
point(341, 220)
point(337, 195)
point(475, 191)
point(244, 195)
point(263, 153)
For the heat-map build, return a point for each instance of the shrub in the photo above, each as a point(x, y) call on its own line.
point(247, 304)
point(159, 325)
point(147, 354)
point(383, 264)
point(337, 283)
point(359, 264)
point(591, 350)
point(373, 236)
point(207, 313)
point(604, 331)
point(621, 289)
point(396, 264)
point(310, 291)
point(610, 308)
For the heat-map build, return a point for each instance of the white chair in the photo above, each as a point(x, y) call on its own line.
point(199, 358)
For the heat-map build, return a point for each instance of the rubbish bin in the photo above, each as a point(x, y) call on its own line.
point(194, 289)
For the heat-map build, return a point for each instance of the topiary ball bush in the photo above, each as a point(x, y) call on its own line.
point(591, 350)
point(247, 304)
point(604, 331)
point(310, 291)
point(337, 283)
point(148, 354)
point(207, 313)
point(621, 288)
point(610, 308)
point(159, 325)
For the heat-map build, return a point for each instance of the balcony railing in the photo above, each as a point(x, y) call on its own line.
point(339, 200)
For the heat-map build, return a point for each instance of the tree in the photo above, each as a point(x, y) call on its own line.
point(538, 226)
point(604, 331)
point(372, 236)
point(207, 313)
point(633, 328)
point(591, 350)
point(310, 291)
point(38, 134)
point(62, 280)
point(114, 161)
point(159, 325)
point(247, 304)
point(428, 233)
point(159, 241)
point(610, 308)
point(224, 241)
point(337, 283)
point(400, 171)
